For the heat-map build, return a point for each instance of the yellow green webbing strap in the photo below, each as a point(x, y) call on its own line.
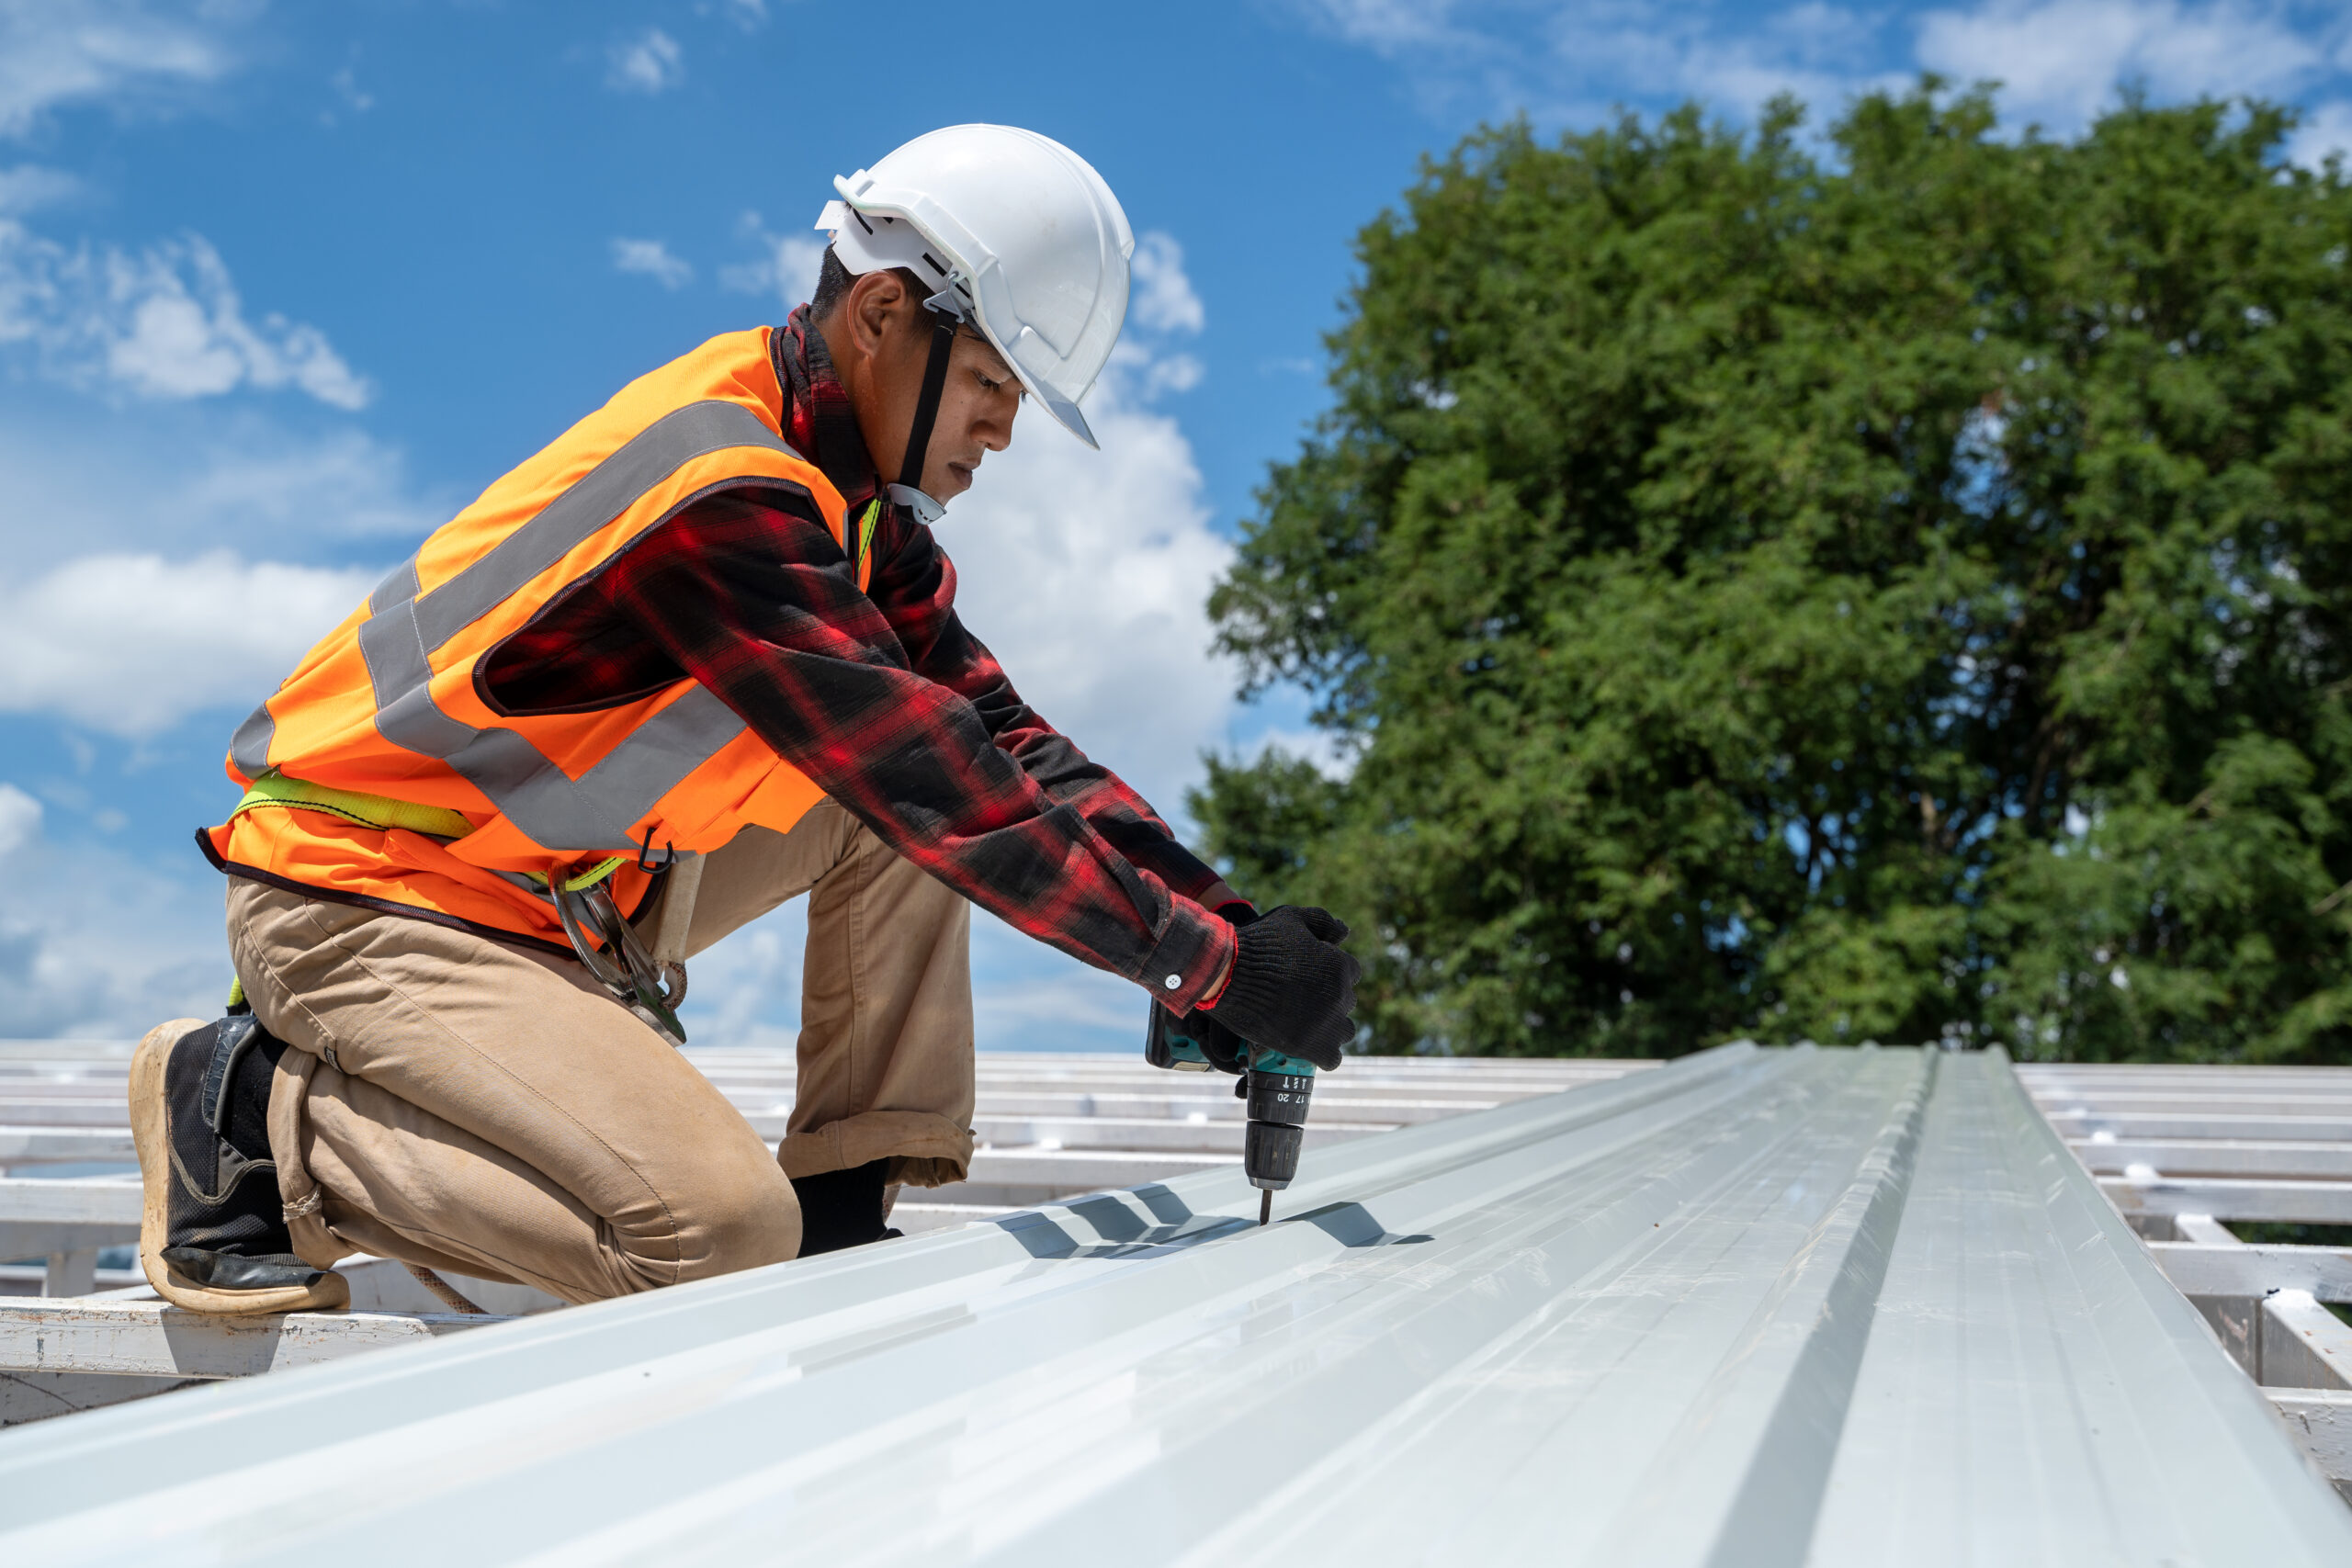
point(862, 569)
point(236, 992)
point(588, 878)
point(273, 788)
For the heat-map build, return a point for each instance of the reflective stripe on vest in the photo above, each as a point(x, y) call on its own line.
point(593, 812)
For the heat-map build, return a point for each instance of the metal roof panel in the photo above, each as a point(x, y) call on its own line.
point(1843, 1307)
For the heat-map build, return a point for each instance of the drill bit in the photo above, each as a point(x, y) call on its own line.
point(1265, 1205)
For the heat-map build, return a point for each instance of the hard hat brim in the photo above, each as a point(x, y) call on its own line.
point(1064, 412)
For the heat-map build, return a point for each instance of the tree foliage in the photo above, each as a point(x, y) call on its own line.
point(1892, 593)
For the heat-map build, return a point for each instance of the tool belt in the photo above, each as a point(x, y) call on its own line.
point(584, 903)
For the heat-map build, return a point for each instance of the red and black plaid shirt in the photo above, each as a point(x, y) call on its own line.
point(883, 699)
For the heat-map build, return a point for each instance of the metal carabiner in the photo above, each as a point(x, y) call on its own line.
point(654, 991)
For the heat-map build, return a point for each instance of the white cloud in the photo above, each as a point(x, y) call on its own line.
point(1089, 572)
point(1027, 997)
point(2326, 128)
point(1822, 53)
point(73, 967)
point(1333, 755)
point(750, 16)
point(651, 61)
point(19, 819)
point(131, 645)
point(30, 185)
point(1577, 64)
point(1596, 57)
point(356, 98)
point(1453, 64)
point(82, 480)
point(1173, 373)
point(1142, 376)
point(786, 267)
point(651, 258)
point(1163, 299)
point(2062, 60)
point(117, 52)
point(162, 322)
point(344, 485)
point(1389, 26)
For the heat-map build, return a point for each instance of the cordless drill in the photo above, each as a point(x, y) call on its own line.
point(1276, 1087)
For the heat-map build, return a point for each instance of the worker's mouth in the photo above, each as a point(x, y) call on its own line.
point(959, 477)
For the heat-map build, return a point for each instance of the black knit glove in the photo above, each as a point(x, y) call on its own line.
point(1291, 987)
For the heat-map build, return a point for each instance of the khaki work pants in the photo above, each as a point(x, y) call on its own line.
point(464, 1104)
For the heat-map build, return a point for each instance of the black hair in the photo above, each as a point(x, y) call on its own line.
point(833, 282)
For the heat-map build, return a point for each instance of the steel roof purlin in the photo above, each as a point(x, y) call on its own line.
point(1838, 1307)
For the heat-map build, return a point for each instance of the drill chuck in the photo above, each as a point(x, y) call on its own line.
point(1278, 1103)
point(1276, 1087)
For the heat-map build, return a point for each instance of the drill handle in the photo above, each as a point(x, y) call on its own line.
point(1197, 1043)
point(1166, 1044)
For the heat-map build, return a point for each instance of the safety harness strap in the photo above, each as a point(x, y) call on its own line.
point(273, 788)
point(383, 813)
point(934, 381)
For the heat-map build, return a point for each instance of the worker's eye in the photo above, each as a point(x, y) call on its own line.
point(987, 386)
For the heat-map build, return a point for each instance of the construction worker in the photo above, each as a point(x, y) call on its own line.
point(694, 657)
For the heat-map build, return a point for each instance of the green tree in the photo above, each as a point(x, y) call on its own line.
point(1883, 594)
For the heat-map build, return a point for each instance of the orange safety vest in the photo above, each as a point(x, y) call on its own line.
point(388, 704)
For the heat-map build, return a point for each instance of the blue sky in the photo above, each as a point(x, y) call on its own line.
point(283, 287)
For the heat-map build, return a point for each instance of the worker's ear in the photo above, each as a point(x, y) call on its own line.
point(874, 301)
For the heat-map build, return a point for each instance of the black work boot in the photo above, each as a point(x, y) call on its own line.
point(841, 1208)
point(212, 1234)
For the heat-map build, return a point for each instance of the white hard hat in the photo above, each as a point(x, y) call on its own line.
point(1020, 235)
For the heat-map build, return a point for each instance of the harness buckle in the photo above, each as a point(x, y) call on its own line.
point(649, 989)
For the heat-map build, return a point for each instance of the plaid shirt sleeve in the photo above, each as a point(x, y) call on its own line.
point(896, 711)
point(913, 584)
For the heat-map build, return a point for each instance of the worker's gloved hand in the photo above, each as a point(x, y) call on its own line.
point(1292, 986)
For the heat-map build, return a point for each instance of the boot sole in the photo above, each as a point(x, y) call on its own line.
point(150, 1132)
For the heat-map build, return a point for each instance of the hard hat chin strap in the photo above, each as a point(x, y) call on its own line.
point(909, 492)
